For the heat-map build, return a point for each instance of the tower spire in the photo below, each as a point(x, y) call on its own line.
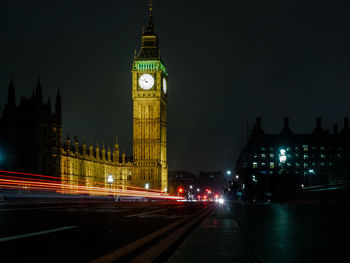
point(149, 46)
point(150, 7)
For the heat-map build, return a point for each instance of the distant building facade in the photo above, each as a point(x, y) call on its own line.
point(308, 159)
point(31, 135)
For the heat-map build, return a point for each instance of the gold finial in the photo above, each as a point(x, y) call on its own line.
point(150, 6)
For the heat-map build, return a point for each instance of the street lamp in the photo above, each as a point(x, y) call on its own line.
point(198, 189)
point(228, 172)
point(191, 186)
point(110, 181)
point(147, 186)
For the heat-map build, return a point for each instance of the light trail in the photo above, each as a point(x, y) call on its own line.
point(73, 181)
point(8, 180)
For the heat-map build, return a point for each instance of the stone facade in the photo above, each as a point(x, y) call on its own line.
point(32, 136)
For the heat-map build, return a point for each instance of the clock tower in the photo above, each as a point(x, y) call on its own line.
point(149, 94)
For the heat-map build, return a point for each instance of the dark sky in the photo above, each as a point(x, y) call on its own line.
point(227, 60)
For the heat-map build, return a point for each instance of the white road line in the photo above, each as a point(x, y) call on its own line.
point(3, 239)
point(145, 213)
point(36, 208)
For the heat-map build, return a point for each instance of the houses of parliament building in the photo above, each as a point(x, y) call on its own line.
point(31, 132)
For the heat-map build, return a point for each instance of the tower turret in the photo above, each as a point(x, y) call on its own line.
point(116, 151)
point(68, 143)
point(109, 153)
point(103, 151)
point(83, 148)
point(91, 150)
point(97, 151)
point(76, 145)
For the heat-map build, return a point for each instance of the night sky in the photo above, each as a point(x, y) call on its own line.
point(227, 60)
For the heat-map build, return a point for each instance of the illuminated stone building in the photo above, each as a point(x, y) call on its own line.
point(76, 162)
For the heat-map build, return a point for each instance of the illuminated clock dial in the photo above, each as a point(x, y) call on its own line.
point(146, 81)
point(164, 86)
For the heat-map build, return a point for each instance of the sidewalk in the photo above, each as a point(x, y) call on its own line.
point(217, 239)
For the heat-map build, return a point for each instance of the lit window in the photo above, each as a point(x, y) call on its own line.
point(263, 155)
point(272, 155)
point(272, 165)
point(322, 163)
point(330, 163)
point(297, 164)
point(255, 165)
point(306, 156)
point(306, 147)
point(323, 156)
point(263, 164)
point(288, 149)
point(271, 148)
point(255, 156)
point(322, 148)
point(297, 155)
point(305, 165)
point(296, 148)
point(263, 148)
point(289, 164)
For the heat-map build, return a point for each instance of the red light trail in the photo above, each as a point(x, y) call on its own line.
point(23, 181)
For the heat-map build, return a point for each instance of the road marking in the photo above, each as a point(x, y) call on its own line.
point(3, 239)
point(145, 213)
point(123, 251)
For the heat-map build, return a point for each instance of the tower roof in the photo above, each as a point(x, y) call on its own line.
point(149, 48)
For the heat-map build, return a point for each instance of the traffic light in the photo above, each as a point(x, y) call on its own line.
point(181, 190)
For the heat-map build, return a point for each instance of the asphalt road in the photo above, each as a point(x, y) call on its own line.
point(80, 232)
point(267, 233)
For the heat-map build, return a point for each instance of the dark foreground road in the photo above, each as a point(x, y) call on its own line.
point(254, 233)
point(80, 232)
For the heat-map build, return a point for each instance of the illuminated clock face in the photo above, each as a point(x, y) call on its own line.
point(164, 85)
point(146, 81)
